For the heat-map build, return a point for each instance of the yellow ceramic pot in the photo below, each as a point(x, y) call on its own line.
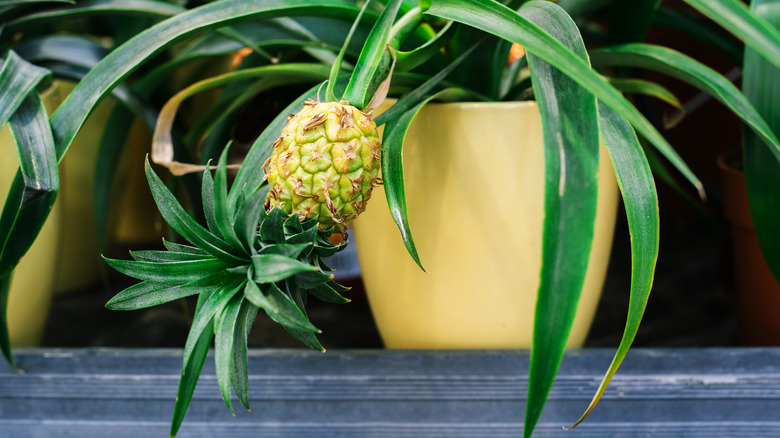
point(132, 219)
point(79, 264)
point(33, 280)
point(65, 256)
point(477, 233)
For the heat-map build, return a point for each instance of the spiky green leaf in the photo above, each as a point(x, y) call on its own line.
point(166, 256)
point(194, 357)
point(272, 228)
point(284, 311)
point(270, 268)
point(248, 217)
point(224, 340)
point(392, 172)
point(239, 366)
point(148, 293)
point(207, 197)
point(292, 251)
point(330, 94)
point(325, 293)
point(178, 247)
point(224, 215)
point(168, 272)
point(186, 226)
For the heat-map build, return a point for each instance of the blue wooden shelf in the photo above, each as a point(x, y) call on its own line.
point(381, 393)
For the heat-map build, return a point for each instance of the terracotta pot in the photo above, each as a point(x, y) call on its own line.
point(758, 293)
point(481, 290)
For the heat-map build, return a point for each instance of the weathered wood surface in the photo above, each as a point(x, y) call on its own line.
point(358, 393)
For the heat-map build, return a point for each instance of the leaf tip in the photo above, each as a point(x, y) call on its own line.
point(577, 423)
point(702, 193)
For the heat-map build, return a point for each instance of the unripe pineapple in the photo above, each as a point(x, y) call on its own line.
point(324, 164)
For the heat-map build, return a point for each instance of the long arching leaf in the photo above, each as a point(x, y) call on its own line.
point(18, 79)
point(641, 203)
point(96, 7)
point(647, 88)
point(392, 171)
point(755, 31)
point(501, 21)
point(693, 72)
point(37, 185)
point(162, 143)
point(571, 156)
point(128, 57)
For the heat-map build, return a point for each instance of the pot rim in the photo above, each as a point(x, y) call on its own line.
point(480, 105)
point(725, 162)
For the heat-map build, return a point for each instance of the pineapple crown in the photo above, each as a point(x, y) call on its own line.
point(244, 260)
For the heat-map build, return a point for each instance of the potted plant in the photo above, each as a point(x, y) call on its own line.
point(237, 268)
point(42, 44)
point(749, 199)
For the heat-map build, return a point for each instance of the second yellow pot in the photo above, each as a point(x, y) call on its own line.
point(478, 232)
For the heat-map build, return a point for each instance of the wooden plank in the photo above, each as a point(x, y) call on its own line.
point(382, 393)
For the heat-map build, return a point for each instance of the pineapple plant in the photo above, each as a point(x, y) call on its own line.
point(263, 247)
point(264, 238)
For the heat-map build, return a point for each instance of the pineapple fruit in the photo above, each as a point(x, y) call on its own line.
point(324, 164)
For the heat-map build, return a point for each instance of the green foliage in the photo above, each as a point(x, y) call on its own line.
point(270, 268)
point(240, 259)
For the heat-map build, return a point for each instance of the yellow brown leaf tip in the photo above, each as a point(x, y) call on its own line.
point(325, 164)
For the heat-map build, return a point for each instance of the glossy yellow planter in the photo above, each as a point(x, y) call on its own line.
point(65, 256)
point(33, 280)
point(478, 232)
point(133, 216)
